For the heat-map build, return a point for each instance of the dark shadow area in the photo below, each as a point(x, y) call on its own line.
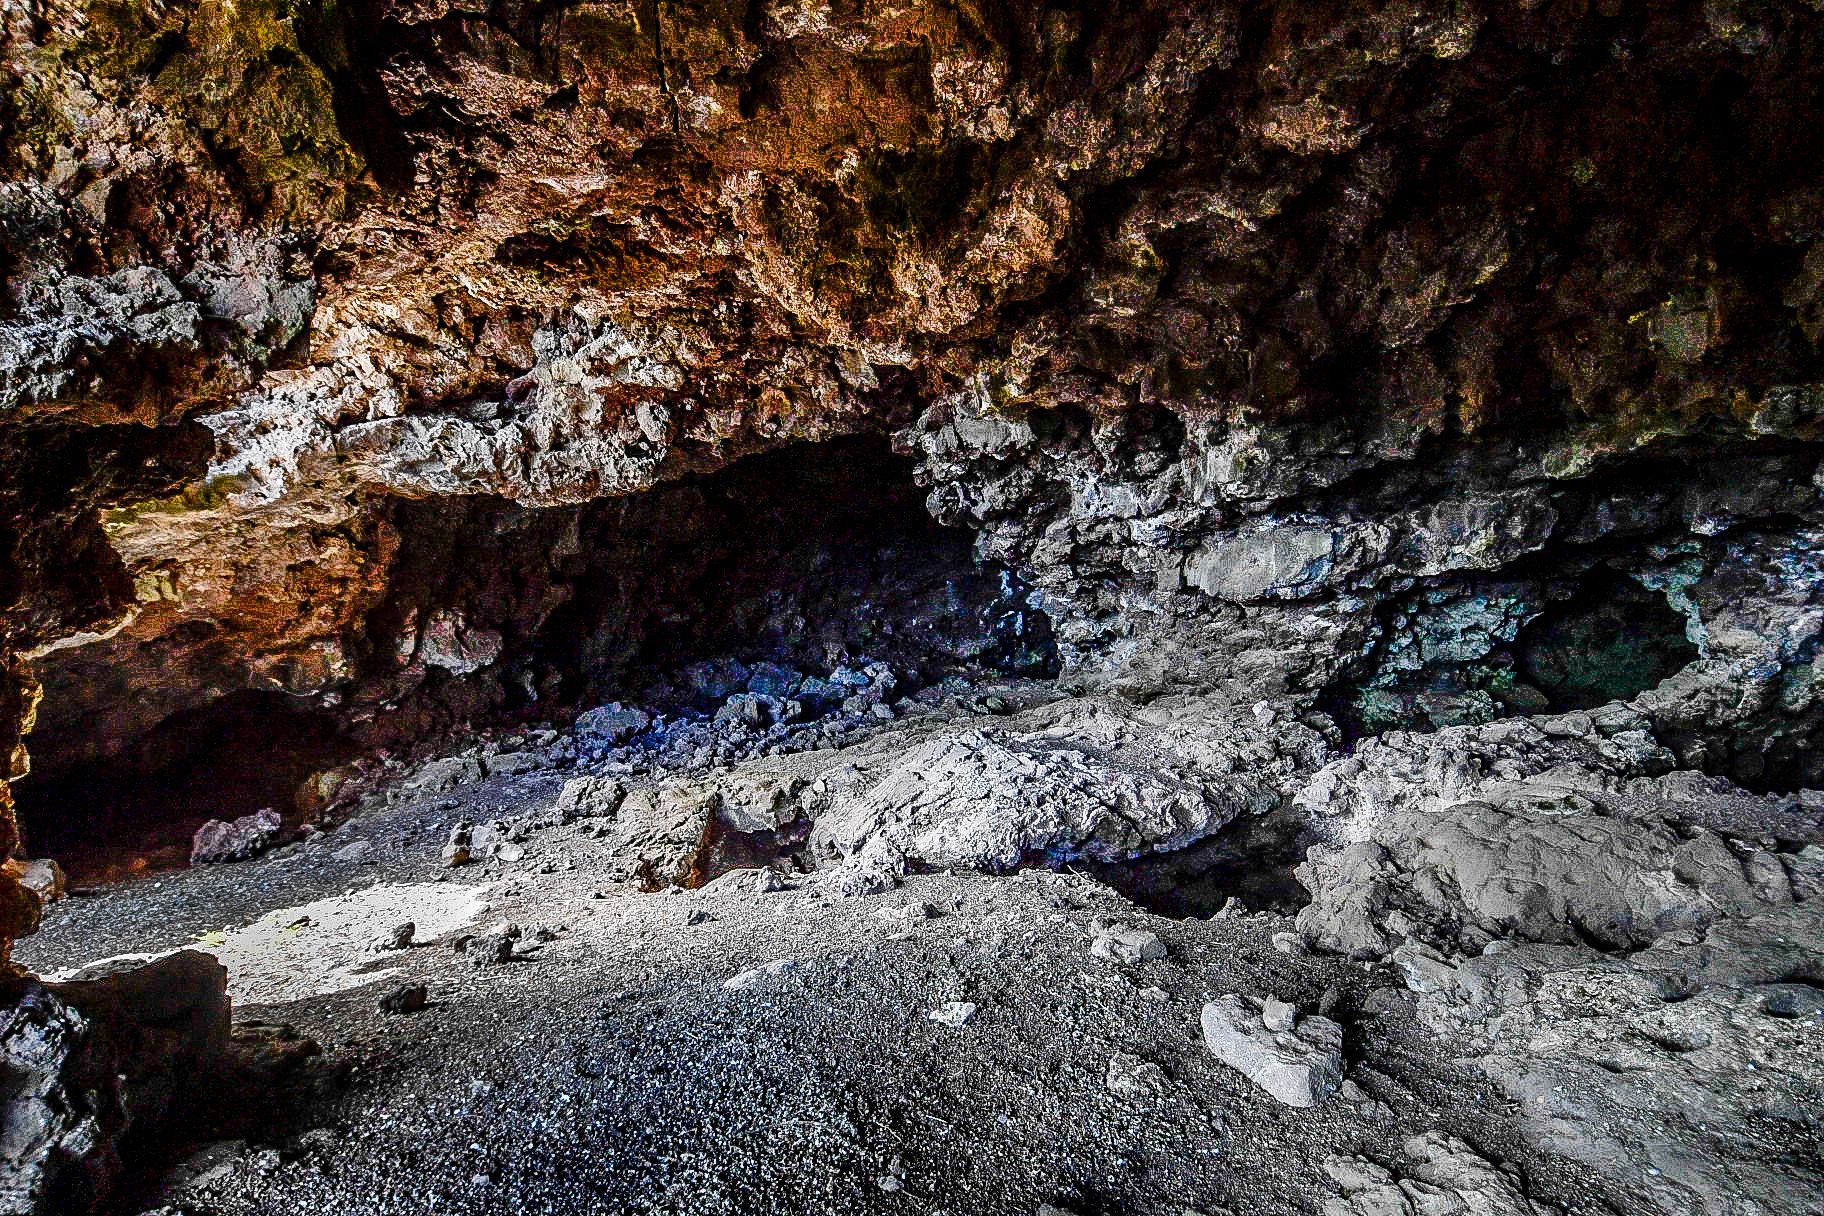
point(1251, 861)
point(1613, 640)
point(1468, 653)
point(815, 556)
point(812, 556)
point(244, 752)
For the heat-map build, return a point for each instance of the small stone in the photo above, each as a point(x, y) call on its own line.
point(768, 880)
point(696, 916)
point(1133, 1078)
point(458, 851)
point(354, 850)
point(1124, 943)
point(764, 978)
point(954, 1014)
point(510, 852)
point(407, 998)
point(399, 937)
point(1278, 1015)
point(489, 948)
point(1290, 943)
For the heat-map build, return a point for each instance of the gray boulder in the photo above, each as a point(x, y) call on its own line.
point(235, 839)
point(1301, 1064)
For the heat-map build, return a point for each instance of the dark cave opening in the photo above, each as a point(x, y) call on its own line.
point(497, 614)
point(1250, 861)
point(1612, 640)
point(137, 812)
point(811, 556)
point(1468, 653)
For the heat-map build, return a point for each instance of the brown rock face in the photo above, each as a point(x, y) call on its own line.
point(1308, 349)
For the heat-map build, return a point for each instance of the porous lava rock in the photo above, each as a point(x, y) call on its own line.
point(94, 1068)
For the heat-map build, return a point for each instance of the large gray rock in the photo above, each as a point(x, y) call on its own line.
point(1551, 830)
point(1692, 1068)
point(91, 1069)
point(1094, 778)
point(1298, 1060)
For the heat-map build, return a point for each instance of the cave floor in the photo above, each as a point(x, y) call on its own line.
point(609, 1069)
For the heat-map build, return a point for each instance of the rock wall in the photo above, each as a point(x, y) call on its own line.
point(1320, 350)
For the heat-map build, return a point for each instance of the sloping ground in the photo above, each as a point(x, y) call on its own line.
point(770, 1046)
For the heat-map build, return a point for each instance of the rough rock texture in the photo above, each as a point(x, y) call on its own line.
point(1546, 830)
point(1299, 1060)
point(1421, 361)
point(1439, 1176)
point(1432, 362)
point(1314, 374)
point(1672, 1068)
point(1691, 1068)
point(93, 1066)
point(1093, 779)
point(235, 839)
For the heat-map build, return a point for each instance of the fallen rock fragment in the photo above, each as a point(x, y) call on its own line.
point(614, 723)
point(407, 998)
point(1092, 778)
point(1124, 943)
point(459, 850)
point(1300, 1064)
point(954, 1014)
point(1131, 1077)
point(1517, 831)
point(763, 978)
point(486, 949)
point(590, 798)
point(222, 840)
point(399, 937)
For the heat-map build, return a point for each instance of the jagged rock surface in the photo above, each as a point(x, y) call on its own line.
point(1092, 779)
point(1552, 830)
point(1122, 286)
point(1690, 1069)
point(1439, 1176)
point(90, 1065)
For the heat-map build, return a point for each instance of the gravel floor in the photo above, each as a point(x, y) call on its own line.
point(608, 1069)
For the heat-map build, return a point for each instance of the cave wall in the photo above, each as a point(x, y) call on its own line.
point(1285, 347)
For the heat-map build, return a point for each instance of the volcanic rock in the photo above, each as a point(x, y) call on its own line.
point(1300, 1063)
point(237, 839)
